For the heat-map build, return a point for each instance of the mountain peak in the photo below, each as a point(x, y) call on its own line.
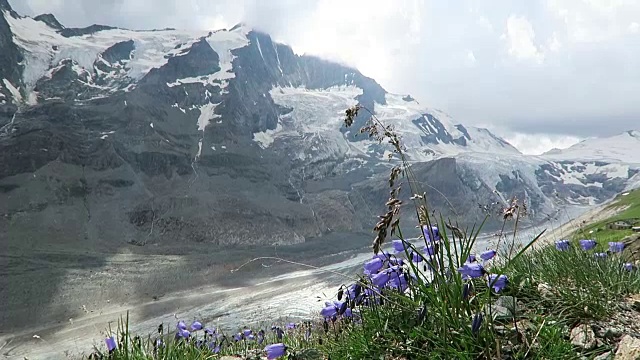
point(634, 133)
point(50, 20)
point(241, 26)
point(4, 5)
point(621, 148)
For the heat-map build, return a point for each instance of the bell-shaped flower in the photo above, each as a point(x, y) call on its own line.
point(373, 266)
point(111, 343)
point(587, 244)
point(616, 247)
point(476, 323)
point(196, 326)
point(428, 234)
point(399, 246)
point(472, 270)
point(275, 351)
point(562, 245)
point(497, 282)
point(488, 255)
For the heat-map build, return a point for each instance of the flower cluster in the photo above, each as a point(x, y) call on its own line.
point(615, 247)
point(211, 338)
point(388, 271)
point(214, 341)
point(472, 269)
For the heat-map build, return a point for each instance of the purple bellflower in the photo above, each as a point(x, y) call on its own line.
point(587, 244)
point(488, 255)
point(471, 270)
point(497, 282)
point(111, 343)
point(373, 266)
point(275, 351)
point(628, 266)
point(476, 323)
point(196, 326)
point(399, 246)
point(427, 234)
point(562, 245)
point(616, 247)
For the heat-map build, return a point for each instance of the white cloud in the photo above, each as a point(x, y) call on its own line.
point(554, 43)
point(595, 20)
point(634, 27)
point(471, 58)
point(520, 37)
point(536, 144)
point(485, 23)
point(372, 35)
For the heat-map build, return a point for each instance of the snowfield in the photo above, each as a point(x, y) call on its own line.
point(44, 49)
point(622, 148)
point(318, 115)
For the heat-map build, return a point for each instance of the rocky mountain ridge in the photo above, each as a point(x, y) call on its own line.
point(113, 137)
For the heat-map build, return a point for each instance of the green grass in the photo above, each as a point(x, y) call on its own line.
point(599, 231)
point(571, 284)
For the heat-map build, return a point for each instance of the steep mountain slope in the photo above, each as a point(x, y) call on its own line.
point(621, 148)
point(110, 137)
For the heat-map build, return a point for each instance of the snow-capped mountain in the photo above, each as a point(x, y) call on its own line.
point(227, 137)
point(621, 148)
point(86, 65)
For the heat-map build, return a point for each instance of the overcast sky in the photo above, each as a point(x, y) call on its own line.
point(541, 73)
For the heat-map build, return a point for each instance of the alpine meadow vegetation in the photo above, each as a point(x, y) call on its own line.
point(434, 297)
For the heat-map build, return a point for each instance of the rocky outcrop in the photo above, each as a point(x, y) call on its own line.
point(50, 20)
point(71, 32)
point(10, 59)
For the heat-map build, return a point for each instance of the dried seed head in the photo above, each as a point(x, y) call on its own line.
point(351, 114)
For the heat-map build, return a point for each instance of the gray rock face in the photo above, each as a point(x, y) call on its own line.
point(10, 59)
point(118, 53)
point(71, 32)
point(50, 20)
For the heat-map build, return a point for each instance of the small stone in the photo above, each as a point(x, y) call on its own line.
point(499, 329)
point(628, 348)
point(544, 289)
point(606, 356)
point(499, 312)
point(582, 336)
point(509, 302)
point(612, 333)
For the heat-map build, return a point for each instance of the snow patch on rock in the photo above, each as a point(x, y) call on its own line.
point(44, 48)
point(206, 115)
point(15, 92)
point(222, 42)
